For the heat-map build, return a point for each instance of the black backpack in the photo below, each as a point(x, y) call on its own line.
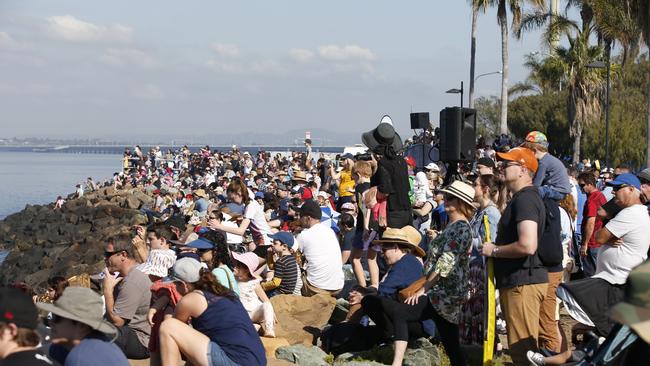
point(549, 249)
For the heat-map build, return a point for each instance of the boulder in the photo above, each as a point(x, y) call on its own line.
point(133, 202)
point(419, 353)
point(272, 344)
point(300, 319)
point(302, 355)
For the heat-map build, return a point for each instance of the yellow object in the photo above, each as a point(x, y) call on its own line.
point(272, 284)
point(346, 184)
point(489, 329)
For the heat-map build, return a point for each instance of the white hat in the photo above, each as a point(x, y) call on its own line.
point(433, 167)
point(461, 190)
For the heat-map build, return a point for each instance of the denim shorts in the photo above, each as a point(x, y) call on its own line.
point(217, 357)
point(359, 243)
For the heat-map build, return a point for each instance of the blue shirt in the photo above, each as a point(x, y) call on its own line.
point(400, 275)
point(552, 173)
point(201, 205)
point(95, 349)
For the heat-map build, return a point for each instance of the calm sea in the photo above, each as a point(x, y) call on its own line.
point(38, 178)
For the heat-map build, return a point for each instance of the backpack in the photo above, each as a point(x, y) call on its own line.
point(549, 249)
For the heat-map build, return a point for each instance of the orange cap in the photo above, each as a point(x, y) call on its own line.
point(521, 155)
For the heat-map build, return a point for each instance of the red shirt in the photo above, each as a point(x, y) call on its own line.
point(594, 200)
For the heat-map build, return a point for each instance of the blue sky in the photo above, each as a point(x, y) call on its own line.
point(147, 68)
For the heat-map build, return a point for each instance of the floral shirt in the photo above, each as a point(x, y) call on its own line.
point(448, 256)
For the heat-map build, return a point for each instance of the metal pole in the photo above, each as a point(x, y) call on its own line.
point(461, 95)
point(609, 49)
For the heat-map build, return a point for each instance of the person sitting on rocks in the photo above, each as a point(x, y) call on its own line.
point(221, 332)
point(286, 272)
point(127, 298)
point(318, 243)
point(80, 333)
point(251, 294)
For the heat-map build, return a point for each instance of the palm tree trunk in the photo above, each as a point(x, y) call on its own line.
point(472, 60)
point(503, 23)
point(576, 142)
point(647, 133)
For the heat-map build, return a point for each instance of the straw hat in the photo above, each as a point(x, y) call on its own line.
point(407, 236)
point(200, 193)
point(299, 176)
point(82, 305)
point(461, 190)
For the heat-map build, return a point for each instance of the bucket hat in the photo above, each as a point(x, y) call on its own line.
point(82, 305)
point(634, 310)
point(158, 262)
point(187, 270)
point(537, 137)
point(407, 236)
point(461, 190)
point(383, 134)
point(249, 259)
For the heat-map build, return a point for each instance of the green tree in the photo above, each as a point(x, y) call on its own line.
point(546, 76)
point(487, 112)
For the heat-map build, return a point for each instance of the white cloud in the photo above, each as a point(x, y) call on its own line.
point(148, 91)
point(7, 42)
point(259, 67)
point(224, 49)
point(69, 28)
point(345, 53)
point(301, 54)
point(129, 56)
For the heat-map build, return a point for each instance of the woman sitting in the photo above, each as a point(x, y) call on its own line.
point(221, 331)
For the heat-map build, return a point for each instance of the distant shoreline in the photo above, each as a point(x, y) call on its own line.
point(119, 149)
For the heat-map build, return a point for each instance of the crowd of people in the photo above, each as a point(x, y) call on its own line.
point(228, 231)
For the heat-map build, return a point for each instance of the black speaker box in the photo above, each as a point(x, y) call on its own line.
point(420, 121)
point(457, 134)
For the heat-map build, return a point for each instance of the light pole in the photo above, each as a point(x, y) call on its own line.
point(471, 102)
point(457, 91)
point(605, 65)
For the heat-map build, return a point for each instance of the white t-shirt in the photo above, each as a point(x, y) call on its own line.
point(323, 254)
point(615, 263)
point(258, 226)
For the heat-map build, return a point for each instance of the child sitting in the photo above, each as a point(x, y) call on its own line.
point(551, 178)
point(286, 273)
point(251, 294)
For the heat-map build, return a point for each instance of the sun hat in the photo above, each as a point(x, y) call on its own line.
point(461, 190)
point(284, 237)
point(249, 259)
point(537, 137)
point(186, 270)
point(200, 243)
point(383, 134)
point(311, 209)
point(634, 310)
point(433, 167)
point(299, 176)
point(404, 237)
point(18, 308)
point(83, 305)
point(521, 155)
point(626, 179)
point(158, 262)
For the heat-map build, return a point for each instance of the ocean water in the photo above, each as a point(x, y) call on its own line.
point(38, 178)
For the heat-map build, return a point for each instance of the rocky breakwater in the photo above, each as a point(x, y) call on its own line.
point(43, 242)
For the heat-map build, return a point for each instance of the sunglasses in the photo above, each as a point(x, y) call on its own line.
point(509, 164)
point(618, 188)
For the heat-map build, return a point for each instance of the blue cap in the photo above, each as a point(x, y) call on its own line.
point(259, 195)
point(283, 236)
point(627, 179)
point(235, 208)
point(200, 243)
point(347, 156)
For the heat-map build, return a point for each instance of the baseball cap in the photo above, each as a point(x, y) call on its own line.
point(347, 156)
point(486, 162)
point(18, 308)
point(347, 206)
point(626, 179)
point(283, 236)
point(200, 243)
point(537, 138)
point(259, 195)
point(433, 167)
point(311, 208)
point(186, 270)
point(410, 161)
point(644, 175)
point(522, 156)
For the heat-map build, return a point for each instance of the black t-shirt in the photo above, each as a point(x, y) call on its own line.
point(358, 194)
point(348, 238)
point(526, 204)
point(27, 358)
point(392, 178)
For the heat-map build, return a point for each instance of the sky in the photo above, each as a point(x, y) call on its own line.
point(158, 69)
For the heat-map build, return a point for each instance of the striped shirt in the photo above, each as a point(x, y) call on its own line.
point(286, 268)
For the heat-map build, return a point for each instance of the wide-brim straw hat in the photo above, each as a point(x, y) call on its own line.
point(383, 134)
point(461, 190)
point(82, 305)
point(634, 310)
point(200, 193)
point(407, 236)
point(299, 176)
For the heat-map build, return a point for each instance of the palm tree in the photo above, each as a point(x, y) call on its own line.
point(546, 76)
point(584, 84)
point(515, 7)
point(642, 11)
point(476, 6)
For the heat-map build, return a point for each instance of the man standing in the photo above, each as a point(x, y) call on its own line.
point(520, 275)
point(127, 297)
point(590, 222)
point(318, 243)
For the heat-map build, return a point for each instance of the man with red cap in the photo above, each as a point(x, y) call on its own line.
point(521, 277)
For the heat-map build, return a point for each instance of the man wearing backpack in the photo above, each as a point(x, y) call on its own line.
point(521, 277)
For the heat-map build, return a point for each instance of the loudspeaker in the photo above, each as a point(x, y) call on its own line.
point(457, 134)
point(420, 120)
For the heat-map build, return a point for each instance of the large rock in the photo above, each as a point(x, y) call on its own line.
point(272, 344)
point(302, 355)
point(300, 319)
point(419, 353)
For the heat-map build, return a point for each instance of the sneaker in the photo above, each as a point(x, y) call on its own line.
point(536, 359)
